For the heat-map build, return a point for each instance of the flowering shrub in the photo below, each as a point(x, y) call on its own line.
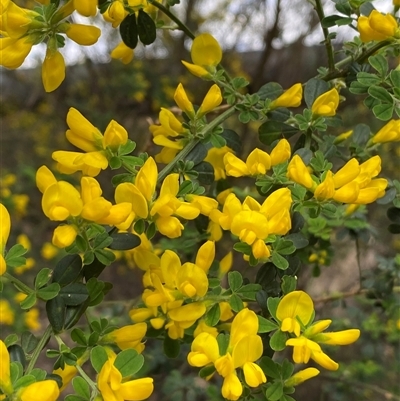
point(303, 185)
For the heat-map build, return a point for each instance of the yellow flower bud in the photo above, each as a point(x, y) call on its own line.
point(212, 100)
point(280, 153)
point(183, 102)
point(342, 137)
point(301, 376)
point(5, 226)
point(128, 336)
point(64, 236)
point(290, 98)
point(114, 136)
point(85, 35)
point(376, 26)
point(298, 172)
point(388, 133)
point(122, 52)
point(326, 104)
point(205, 50)
point(53, 70)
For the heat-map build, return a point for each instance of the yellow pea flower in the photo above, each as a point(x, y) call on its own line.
point(14, 51)
point(46, 390)
point(64, 236)
point(53, 70)
point(212, 100)
point(281, 152)
point(127, 337)
point(293, 306)
point(258, 162)
point(5, 226)
point(5, 378)
point(377, 26)
point(115, 135)
point(326, 189)
point(206, 54)
point(297, 171)
point(183, 102)
point(326, 104)
point(87, 8)
point(290, 98)
point(301, 376)
point(16, 21)
point(390, 132)
point(205, 256)
point(122, 52)
point(191, 281)
point(85, 35)
point(234, 166)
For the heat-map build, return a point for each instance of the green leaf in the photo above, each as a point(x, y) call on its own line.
point(102, 241)
point(24, 381)
point(395, 78)
point(271, 90)
point(272, 304)
point(28, 341)
point(29, 301)
point(212, 316)
point(235, 280)
point(104, 256)
point(129, 31)
point(232, 139)
point(81, 387)
point(14, 257)
point(274, 391)
point(124, 241)
point(78, 336)
point(381, 94)
point(236, 303)
point(95, 289)
point(11, 339)
point(278, 341)
point(42, 278)
point(49, 292)
point(287, 369)
point(223, 343)
point(206, 173)
point(171, 347)
point(17, 354)
point(383, 111)
point(288, 284)
point(197, 154)
point(314, 88)
point(270, 368)
point(368, 79)
point(129, 362)
point(55, 309)
point(98, 357)
point(127, 148)
point(265, 325)
point(285, 247)
point(271, 130)
point(115, 163)
point(380, 64)
point(74, 294)
point(146, 28)
point(393, 214)
point(298, 240)
point(249, 291)
point(206, 371)
point(279, 261)
point(67, 269)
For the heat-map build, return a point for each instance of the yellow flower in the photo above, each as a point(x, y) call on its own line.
point(298, 172)
point(295, 306)
point(183, 102)
point(212, 100)
point(46, 390)
point(14, 51)
point(206, 54)
point(64, 236)
point(388, 133)
point(377, 26)
point(32, 320)
point(6, 313)
point(85, 35)
point(215, 157)
point(53, 70)
point(87, 8)
point(5, 379)
point(128, 336)
point(301, 376)
point(48, 251)
point(115, 135)
point(280, 153)
point(112, 387)
point(122, 52)
point(325, 190)
point(326, 104)
point(290, 98)
point(5, 226)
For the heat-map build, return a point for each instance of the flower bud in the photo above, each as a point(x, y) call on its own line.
point(53, 70)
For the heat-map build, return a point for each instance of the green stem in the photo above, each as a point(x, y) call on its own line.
point(328, 44)
point(19, 284)
point(174, 18)
point(350, 59)
point(307, 143)
point(36, 352)
point(192, 144)
point(89, 381)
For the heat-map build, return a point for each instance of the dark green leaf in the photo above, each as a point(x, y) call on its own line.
point(67, 269)
point(232, 140)
point(274, 391)
point(197, 154)
point(28, 341)
point(17, 354)
point(270, 368)
point(206, 173)
point(124, 241)
point(270, 90)
point(288, 284)
point(74, 294)
point(146, 28)
point(129, 31)
point(287, 369)
point(171, 347)
point(271, 130)
point(314, 88)
point(55, 309)
point(206, 371)
point(78, 336)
